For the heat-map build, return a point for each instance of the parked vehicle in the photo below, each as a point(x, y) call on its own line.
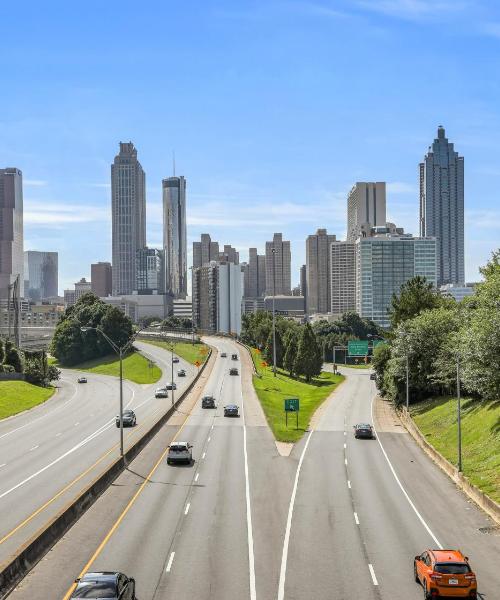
point(363, 430)
point(445, 573)
point(129, 419)
point(111, 585)
point(179, 452)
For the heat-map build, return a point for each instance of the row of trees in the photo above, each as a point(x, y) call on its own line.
point(436, 335)
point(33, 365)
point(70, 345)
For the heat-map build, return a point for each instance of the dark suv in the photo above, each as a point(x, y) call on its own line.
point(111, 585)
point(208, 402)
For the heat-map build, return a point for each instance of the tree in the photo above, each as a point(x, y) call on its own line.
point(381, 356)
point(290, 342)
point(309, 359)
point(416, 295)
point(12, 356)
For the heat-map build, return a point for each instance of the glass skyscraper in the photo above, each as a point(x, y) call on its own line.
point(11, 230)
point(175, 236)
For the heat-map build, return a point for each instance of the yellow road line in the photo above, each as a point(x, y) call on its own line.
point(125, 510)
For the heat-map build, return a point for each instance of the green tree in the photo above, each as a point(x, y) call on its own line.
point(12, 356)
point(415, 296)
point(381, 356)
point(290, 342)
point(309, 359)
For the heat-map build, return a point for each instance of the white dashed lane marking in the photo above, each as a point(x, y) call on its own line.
point(372, 573)
point(34, 448)
point(196, 476)
point(170, 561)
point(356, 518)
point(187, 508)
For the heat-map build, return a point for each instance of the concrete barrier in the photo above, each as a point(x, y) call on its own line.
point(484, 502)
point(247, 348)
point(14, 570)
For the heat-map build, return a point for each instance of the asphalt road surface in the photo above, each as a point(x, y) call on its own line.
point(47, 454)
point(338, 518)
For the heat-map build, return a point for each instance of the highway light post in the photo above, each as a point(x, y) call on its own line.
point(459, 417)
point(274, 312)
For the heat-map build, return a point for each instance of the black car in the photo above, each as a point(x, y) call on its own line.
point(208, 402)
point(223, 355)
point(363, 430)
point(110, 585)
point(129, 419)
point(181, 373)
point(373, 376)
point(171, 386)
point(234, 357)
point(231, 410)
point(175, 359)
point(233, 371)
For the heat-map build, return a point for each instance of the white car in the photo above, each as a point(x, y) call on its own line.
point(161, 393)
point(179, 452)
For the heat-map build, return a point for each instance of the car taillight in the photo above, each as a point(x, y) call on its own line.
point(436, 577)
point(471, 577)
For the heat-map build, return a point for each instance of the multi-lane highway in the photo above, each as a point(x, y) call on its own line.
point(337, 518)
point(51, 452)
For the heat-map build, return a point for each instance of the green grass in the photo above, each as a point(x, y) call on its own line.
point(272, 392)
point(135, 367)
point(189, 352)
point(16, 396)
point(437, 420)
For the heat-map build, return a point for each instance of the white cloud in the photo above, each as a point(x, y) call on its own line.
point(100, 185)
point(35, 182)
point(56, 215)
point(400, 187)
point(413, 9)
point(482, 219)
point(492, 29)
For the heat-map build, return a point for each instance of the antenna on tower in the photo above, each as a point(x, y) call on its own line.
point(173, 160)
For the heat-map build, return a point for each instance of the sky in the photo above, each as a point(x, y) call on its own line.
point(274, 110)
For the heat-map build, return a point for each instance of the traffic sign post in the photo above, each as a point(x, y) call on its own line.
point(292, 405)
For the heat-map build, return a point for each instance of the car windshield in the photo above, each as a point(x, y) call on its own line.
point(364, 426)
point(102, 589)
point(452, 568)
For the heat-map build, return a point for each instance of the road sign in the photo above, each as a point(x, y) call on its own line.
point(357, 347)
point(292, 405)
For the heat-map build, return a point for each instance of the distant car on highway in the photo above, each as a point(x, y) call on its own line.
point(363, 430)
point(208, 402)
point(171, 385)
point(234, 357)
point(129, 418)
point(373, 376)
point(181, 373)
point(223, 355)
point(231, 410)
point(111, 585)
point(175, 359)
point(82, 380)
point(233, 371)
point(179, 452)
point(445, 573)
point(161, 393)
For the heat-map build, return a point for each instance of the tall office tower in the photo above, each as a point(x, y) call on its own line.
point(342, 277)
point(204, 251)
point(229, 254)
point(174, 236)
point(245, 269)
point(257, 274)
point(384, 262)
point(40, 275)
point(303, 281)
point(365, 204)
point(150, 271)
point(101, 279)
point(128, 204)
point(442, 207)
point(278, 265)
point(318, 272)
point(11, 230)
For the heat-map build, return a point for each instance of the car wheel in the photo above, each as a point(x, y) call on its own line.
point(168, 461)
point(415, 573)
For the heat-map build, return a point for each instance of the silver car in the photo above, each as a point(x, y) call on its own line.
point(161, 393)
point(179, 452)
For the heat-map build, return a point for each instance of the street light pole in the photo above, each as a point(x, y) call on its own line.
point(407, 383)
point(459, 417)
point(121, 401)
point(274, 312)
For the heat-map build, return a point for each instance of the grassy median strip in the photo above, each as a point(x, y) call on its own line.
point(272, 392)
point(16, 396)
point(437, 420)
point(136, 367)
point(192, 353)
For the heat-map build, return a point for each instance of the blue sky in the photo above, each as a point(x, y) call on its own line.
point(274, 109)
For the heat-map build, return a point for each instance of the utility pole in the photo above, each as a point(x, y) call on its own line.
point(407, 383)
point(459, 417)
point(274, 312)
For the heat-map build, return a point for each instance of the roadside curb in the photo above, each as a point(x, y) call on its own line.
point(487, 504)
point(28, 555)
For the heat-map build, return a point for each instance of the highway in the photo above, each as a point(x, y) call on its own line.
point(337, 518)
point(49, 453)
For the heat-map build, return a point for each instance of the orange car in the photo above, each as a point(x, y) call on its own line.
point(445, 573)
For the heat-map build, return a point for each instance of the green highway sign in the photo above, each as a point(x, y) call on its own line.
point(292, 405)
point(357, 347)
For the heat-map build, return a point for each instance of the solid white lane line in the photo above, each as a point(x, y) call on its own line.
point(284, 556)
point(348, 484)
point(372, 573)
point(170, 561)
point(356, 518)
point(196, 476)
point(428, 529)
point(203, 455)
point(251, 558)
point(187, 508)
point(34, 448)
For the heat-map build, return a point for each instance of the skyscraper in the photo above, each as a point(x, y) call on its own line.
point(150, 271)
point(175, 236)
point(342, 277)
point(278, 267)
point(442, 207)
point(256, 274)
point(229, 254)
point(11, 230)
point(128, 203)
point(41, 274)
point(318, 272)
point(101, 279)
point(204, 251)
point(365, 204)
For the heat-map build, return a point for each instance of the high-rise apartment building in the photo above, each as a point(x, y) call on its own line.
point(318, 272)
point(442, 207)
point(11, 230)
point(384, 262)
point(303, 283)
point(128, 203)
point(366, 203)
point(150, 271)
point(229, 254)
point(342, 278)
point(278, 267)
point(256, 274)
point(205, 251)
point(101, 279)
point(40, 275)
point(82, 287)
point(175, 236)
